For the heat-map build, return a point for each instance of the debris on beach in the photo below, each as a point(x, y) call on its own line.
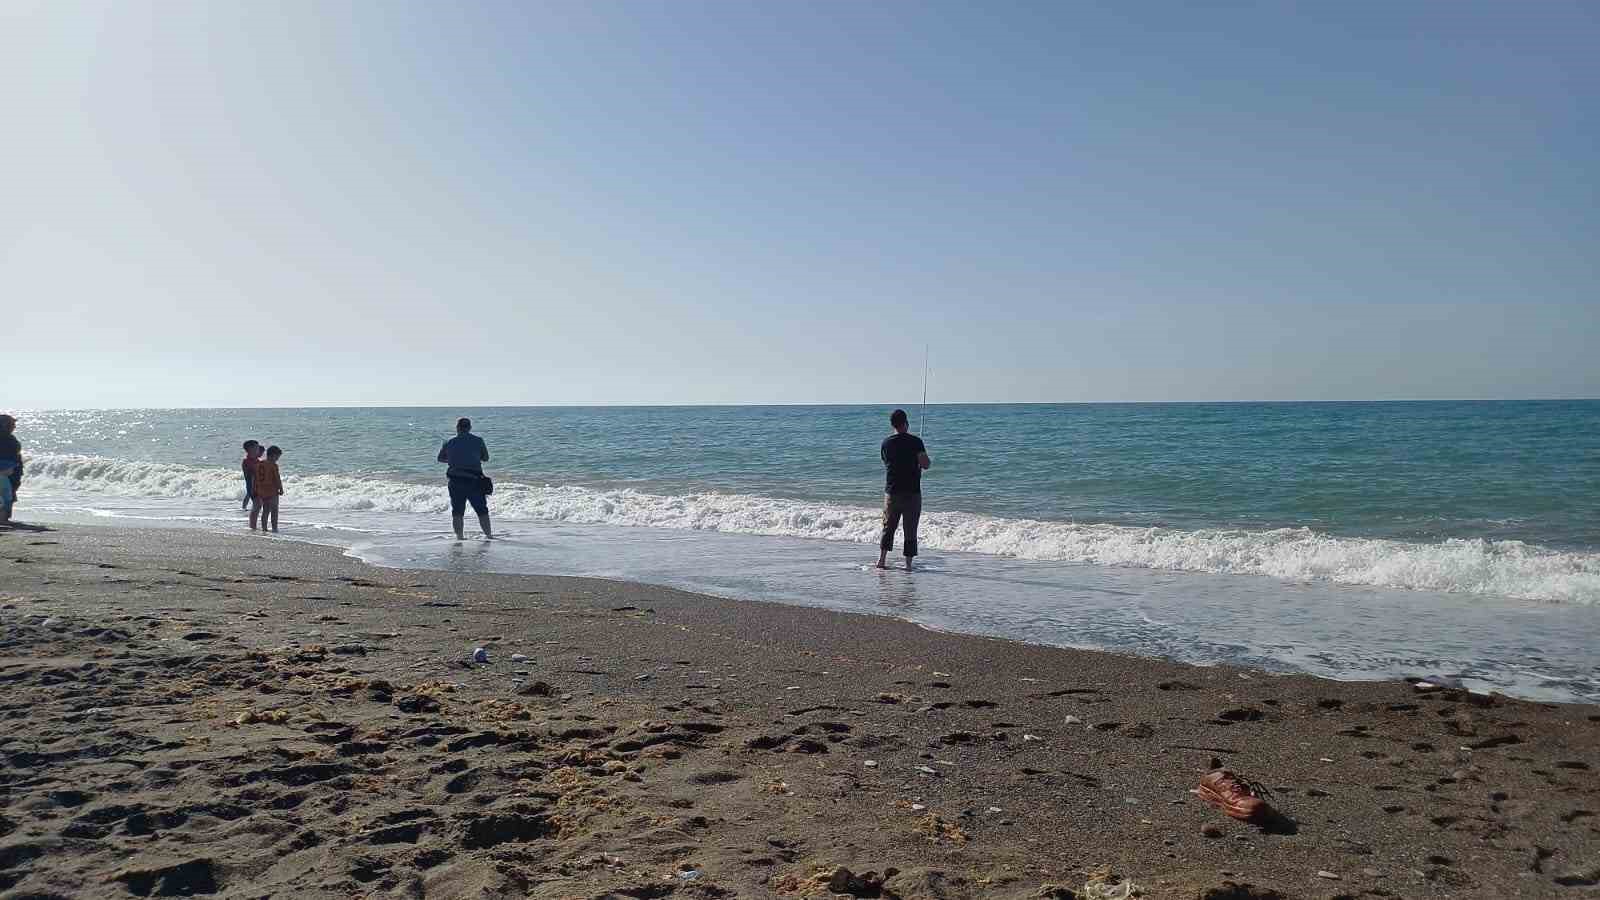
point(1237, 797)
point(480, 655)
point(269, 716)
point(1104, 885)
point(940, 831)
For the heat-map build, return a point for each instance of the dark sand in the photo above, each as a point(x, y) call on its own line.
point(186, 713)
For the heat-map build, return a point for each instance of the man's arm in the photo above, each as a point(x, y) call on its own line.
point(923, 462)
point(483, 450)
point(442, 448)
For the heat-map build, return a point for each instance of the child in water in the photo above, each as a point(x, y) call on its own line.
point(252, 455)
point(269, 487)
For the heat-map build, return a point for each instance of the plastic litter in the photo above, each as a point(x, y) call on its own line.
point(689, 875)
point(518, 657)
point(1095, 889)
point(927, 770)
point(480, 655)
point(1073, 720)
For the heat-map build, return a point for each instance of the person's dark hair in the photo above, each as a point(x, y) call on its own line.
point(898, 418)
point(8, 424)
point(251, 443)
point(274, 452)
point(463, 424)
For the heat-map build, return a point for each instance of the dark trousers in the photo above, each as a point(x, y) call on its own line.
point(467, 490)
point(898, 508)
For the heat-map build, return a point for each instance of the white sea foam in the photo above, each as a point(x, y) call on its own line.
point(1503, 568)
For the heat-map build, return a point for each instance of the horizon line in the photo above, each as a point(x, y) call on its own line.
point(713, 405)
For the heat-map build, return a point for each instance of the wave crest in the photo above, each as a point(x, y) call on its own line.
point(1503, 568)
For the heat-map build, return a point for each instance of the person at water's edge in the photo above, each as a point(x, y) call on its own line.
point(904, 458)
point(465, 455)
point(10, 465)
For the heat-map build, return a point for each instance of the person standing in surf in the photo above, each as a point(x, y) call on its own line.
point(465, 455)
point(904, 459)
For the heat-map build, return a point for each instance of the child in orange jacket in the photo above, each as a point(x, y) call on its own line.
point(269, 487)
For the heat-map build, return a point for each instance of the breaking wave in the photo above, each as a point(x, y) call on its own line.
point(1501, 568)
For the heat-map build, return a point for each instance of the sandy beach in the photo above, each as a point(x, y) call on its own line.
point(189, 713)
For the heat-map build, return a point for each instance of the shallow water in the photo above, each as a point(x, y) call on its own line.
point(1348, 540)
point(1534, 650)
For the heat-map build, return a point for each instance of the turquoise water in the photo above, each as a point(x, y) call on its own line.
point(1456, 537)
point(1526, 471)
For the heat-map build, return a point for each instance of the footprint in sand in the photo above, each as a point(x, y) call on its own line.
point(196, 876)
point(480, 831)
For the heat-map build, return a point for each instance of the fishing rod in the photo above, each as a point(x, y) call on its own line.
point(922, 413)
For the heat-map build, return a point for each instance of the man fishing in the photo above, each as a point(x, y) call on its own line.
point(465, 454)
point(904, 458)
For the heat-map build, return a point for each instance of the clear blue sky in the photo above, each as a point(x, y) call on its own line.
point(383, 202)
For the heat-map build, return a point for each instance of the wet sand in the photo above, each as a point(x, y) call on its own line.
point(195, 714)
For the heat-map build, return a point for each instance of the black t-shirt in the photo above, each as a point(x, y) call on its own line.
point(902, 475)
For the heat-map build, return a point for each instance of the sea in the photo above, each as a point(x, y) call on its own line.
point(1347, 540)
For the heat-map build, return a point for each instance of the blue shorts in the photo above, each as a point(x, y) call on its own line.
point(464, 491)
